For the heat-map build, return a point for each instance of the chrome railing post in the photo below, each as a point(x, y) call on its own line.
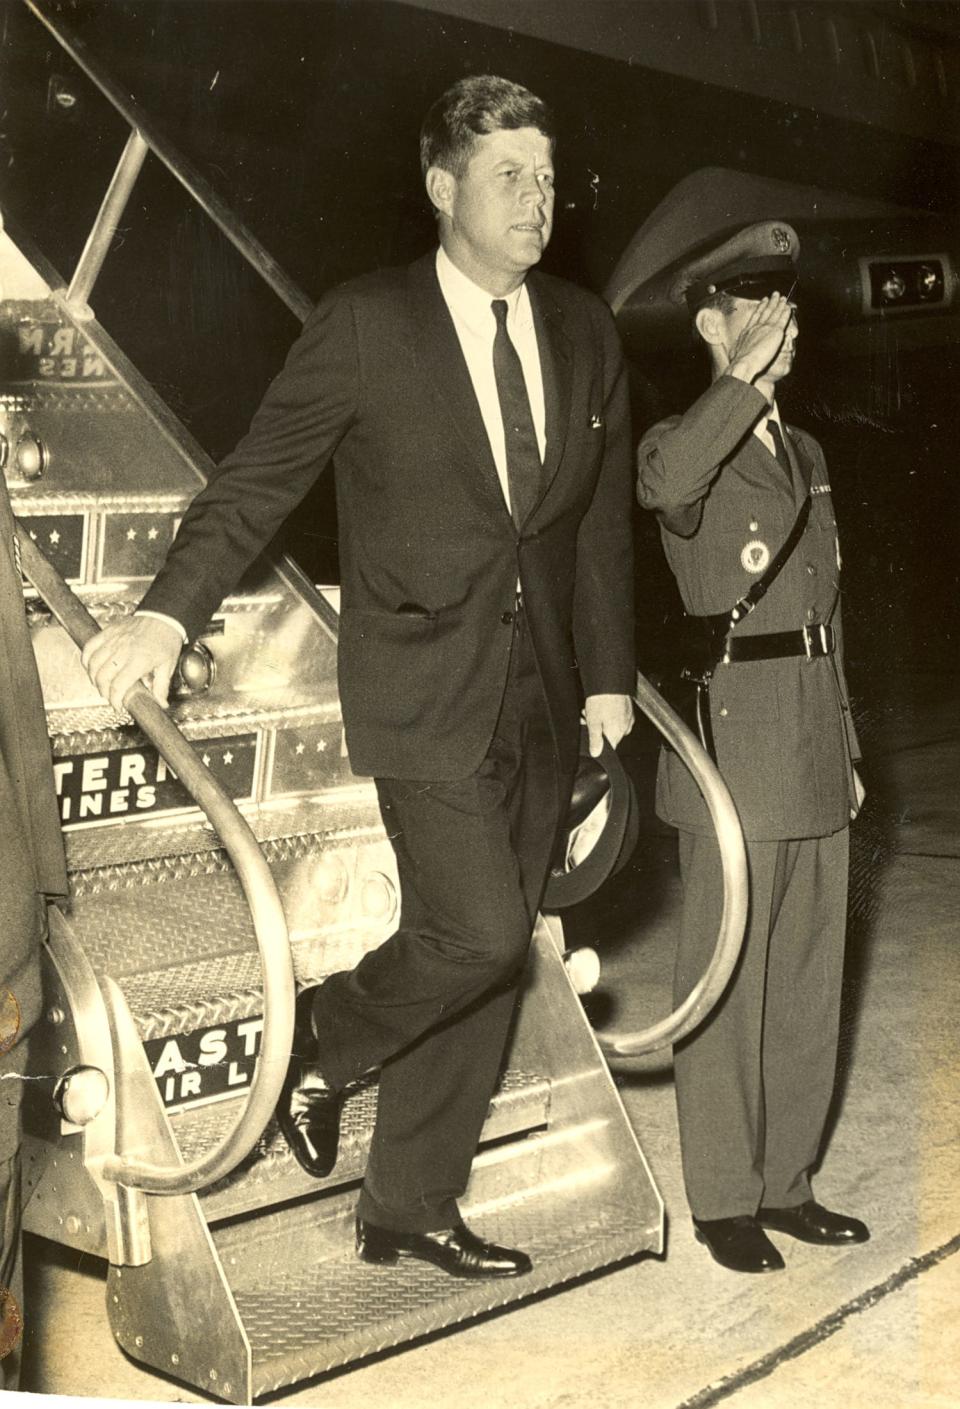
point(198, 188)
point(105, 226)
point(733, 861)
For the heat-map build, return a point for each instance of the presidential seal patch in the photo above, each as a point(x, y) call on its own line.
point(755, 556)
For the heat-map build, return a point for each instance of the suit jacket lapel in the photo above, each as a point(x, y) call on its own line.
point(556, 366)
point(438, 351)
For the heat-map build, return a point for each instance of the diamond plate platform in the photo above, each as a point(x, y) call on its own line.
point(270, 1175)
point(178, 937)
point(304, 1317)
point(107, 857)
point(305, 1304)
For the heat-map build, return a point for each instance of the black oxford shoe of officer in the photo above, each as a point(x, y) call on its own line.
point(812, 1223)
point(738, 1244)
point(308, 1111)
point(456, 1250)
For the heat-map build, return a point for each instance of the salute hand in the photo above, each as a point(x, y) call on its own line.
point(761, 338)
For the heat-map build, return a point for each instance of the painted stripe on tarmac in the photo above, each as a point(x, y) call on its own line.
point(823, 1330)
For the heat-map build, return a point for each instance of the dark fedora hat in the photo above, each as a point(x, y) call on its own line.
point(600, 830)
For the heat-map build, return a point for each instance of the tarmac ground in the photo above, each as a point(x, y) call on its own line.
point(874, 1325)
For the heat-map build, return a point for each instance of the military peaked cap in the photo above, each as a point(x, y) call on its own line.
point(755, 262)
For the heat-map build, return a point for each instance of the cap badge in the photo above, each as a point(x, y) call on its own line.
point(755, 556)
point(781, 239)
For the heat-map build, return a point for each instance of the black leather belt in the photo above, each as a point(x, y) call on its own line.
point(809, 641)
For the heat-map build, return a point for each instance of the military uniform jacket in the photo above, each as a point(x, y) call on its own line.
point(784, 736)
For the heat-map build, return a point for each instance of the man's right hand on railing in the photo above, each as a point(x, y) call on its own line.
point(143, 648)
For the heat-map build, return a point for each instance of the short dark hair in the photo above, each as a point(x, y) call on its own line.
point(724, 302)
point(471, 108)
point(722, 299)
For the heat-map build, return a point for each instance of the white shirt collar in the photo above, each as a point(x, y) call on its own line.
point(761, 427)
point(471, 304)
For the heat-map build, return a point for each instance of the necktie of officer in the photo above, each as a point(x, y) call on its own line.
point(520, 436)
point(779, 449)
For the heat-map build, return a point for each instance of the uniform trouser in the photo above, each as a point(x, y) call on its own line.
point(755, 1080)
point(432, 1005)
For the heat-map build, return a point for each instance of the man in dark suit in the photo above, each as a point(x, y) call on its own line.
point(727, 481)
point(477, 422)
point(31, 866)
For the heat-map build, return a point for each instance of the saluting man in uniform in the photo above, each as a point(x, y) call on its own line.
point(727, 482)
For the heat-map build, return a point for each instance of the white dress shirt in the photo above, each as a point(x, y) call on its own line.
point(472, 313)
point(762, 433)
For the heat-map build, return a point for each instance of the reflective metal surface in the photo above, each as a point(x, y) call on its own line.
point(269, 922)
point(733, 861)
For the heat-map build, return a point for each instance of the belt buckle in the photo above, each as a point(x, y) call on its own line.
point(812, 634)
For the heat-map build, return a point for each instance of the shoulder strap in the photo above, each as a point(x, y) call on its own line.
point(759, 589)
point(719, 625)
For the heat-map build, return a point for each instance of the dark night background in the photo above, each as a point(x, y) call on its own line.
point(304, 115)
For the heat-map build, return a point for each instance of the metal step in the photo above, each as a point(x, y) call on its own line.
point(103, 858)
point(268, 730)
point(93, 435)
point(307, 1304)
point(261, 749)
point(254, 1285)
point(184, 953)
point(270, 1175)
point(264, 643)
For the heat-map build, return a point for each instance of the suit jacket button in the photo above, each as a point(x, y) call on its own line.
point(507, 618)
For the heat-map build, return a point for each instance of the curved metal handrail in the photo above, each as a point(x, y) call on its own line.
point(733, 860)
point(254, 874)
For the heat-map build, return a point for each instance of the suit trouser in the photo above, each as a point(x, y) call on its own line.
point(755, 1080)
point(433, 1004)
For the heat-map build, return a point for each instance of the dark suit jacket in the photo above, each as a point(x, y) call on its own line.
point(31, 854)
point(783, 730)
point(429, 553)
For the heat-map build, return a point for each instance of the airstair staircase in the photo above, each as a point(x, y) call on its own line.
point(153, 975)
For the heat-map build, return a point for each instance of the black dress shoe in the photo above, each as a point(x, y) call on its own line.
point(738, 1244)
point(308, 1111)
point(812, 1223)
point(456, 1250)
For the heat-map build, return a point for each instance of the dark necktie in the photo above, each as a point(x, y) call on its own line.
point(779, 449)
point(523, 453)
